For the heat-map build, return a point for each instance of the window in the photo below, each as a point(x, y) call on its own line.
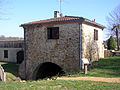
point(95, 34)
point(5, 53)
point(53, 33)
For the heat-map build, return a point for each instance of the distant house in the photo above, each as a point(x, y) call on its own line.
point(9, 50)
point(62, 41)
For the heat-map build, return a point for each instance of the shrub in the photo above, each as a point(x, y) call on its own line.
point(111, 43)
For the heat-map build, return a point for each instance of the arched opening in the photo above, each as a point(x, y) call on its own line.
point(48, 69)
point(20, 56)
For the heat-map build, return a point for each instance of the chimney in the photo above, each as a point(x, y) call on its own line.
point(56, 14)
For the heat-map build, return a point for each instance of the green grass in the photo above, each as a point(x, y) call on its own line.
point(11, 71)
point(59, 85)
point(105, 67)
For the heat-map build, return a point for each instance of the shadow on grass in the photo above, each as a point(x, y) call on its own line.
point(11, 68)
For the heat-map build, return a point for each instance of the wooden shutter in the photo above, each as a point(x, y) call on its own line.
point(55, 33)
point(49, 33)
point(96, 34)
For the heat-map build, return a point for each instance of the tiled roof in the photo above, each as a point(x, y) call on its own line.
point(58, 19)
point(62, 19)
point(12, 44)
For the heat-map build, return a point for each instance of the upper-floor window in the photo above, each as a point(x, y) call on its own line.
point(53, 33)
point(5, 53)
point(95, 34)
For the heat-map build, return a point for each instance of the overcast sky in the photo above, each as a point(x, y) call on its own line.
point(16, 12)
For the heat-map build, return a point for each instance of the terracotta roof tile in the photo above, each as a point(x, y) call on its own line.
point(58, 19)
point(62, 19)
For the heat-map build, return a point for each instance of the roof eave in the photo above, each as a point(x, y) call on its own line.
point(94, 23)
point(79, 20)
point(76, 20)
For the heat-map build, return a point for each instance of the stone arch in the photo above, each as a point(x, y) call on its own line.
point(47, 69)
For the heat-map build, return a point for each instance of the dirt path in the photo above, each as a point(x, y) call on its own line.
point(113, 80)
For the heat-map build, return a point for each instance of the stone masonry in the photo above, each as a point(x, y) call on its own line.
point(65, 51)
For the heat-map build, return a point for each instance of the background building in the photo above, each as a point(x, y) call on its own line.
point(9, 50)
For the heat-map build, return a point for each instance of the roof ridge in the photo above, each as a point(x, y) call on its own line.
point(74, 16)
point(45, 19)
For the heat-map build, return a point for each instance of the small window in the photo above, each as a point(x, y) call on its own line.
point(5, 53)
point(53, 33)
point(95, 34)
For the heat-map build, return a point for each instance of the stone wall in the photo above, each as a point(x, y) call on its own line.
point(91, 48)
point(108, 53)
point(63, 51)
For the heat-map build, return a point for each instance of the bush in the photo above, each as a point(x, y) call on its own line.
point(111, 43)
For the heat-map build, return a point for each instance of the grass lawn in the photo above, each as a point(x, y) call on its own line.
point(59, 85)
point(105, 67)
point(11, 71)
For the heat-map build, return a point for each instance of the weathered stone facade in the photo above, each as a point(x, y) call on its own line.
point(64, 51)
point(90, 45)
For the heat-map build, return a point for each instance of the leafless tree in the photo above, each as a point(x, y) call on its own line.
point(113, 22)
point(92, 50)
point(113, 18)
point(117, 28)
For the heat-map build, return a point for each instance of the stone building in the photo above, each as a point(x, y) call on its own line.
point(9, 50)
point(61, 42)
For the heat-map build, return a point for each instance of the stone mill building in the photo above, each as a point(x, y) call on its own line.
point(60, 43)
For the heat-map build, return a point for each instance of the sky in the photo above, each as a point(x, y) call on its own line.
point(13, 13)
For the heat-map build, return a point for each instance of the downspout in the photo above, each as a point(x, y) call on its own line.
point(25, 53)
point(80, 31)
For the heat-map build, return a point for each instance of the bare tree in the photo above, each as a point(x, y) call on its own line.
point(92, 50)
point(117, 28)
point(113, 23)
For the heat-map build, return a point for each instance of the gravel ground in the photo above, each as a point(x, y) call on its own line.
point(112, 80)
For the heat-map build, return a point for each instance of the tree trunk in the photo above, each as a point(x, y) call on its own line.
point(117, 34)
